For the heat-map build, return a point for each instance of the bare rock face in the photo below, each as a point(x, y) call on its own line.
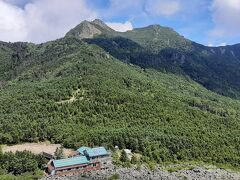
point(101, 24)
point(87, 29)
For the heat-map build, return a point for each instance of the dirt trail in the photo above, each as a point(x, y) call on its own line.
point(73, 98)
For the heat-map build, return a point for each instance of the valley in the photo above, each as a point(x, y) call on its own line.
point(113, 91)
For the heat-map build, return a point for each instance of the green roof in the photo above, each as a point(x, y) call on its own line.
point(93, 152)
point(70, 161)
point(98, 151)
point(82, 149)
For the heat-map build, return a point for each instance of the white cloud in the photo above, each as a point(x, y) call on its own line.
point(12, 23)
point(225, 14)
point(210, 45)
point(163, 7)
point(121, 27)
point(222, 44)
point(41, 20)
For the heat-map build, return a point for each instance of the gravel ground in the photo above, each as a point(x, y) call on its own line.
point(198, 173)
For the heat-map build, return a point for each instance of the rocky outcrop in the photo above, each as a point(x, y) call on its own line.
point(197, 173)
point(86, 29)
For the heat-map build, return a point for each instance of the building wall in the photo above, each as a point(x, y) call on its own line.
point(72, 167)
point(74, 171)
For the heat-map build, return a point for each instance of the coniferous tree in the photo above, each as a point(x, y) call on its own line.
point(124, 157)
point(59, 153)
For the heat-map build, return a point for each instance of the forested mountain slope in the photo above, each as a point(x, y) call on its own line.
point(70, 92)
point(161, 48)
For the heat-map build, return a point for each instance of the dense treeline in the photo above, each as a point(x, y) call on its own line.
point(163, 116)
point(20, 163)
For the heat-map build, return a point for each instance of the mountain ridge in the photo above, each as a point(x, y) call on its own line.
point(96, 21)
point(154, 46)
point(161, 48)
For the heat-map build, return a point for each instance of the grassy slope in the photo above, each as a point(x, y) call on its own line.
point(166, 117)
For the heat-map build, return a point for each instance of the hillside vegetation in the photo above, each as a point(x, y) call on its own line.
point(161, 48)
point(164, 116)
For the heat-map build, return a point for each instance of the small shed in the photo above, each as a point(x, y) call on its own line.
point(129, 153)
point(48, 155)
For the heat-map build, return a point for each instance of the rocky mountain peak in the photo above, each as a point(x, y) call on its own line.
point(87, 29)
point(101, 24)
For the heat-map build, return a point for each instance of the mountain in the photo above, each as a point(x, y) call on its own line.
point(161, 48)
point(78, 92)
point(89, 29)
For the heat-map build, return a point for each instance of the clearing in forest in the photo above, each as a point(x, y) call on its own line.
point(36, 148)
point(73, 98)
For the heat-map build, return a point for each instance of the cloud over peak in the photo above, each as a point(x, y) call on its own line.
point(41, 20)
point(121, 27)
point(12, 23)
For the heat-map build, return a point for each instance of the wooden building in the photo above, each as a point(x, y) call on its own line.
point(86, 159)
point(71, 166)
point(48, 155)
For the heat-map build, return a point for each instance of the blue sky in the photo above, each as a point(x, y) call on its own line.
point(209, 22)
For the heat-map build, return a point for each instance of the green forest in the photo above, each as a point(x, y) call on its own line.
point(70, 92)
point(21, 165)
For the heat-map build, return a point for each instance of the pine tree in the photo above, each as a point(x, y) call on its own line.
point(124, 157)
point(59, 153)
